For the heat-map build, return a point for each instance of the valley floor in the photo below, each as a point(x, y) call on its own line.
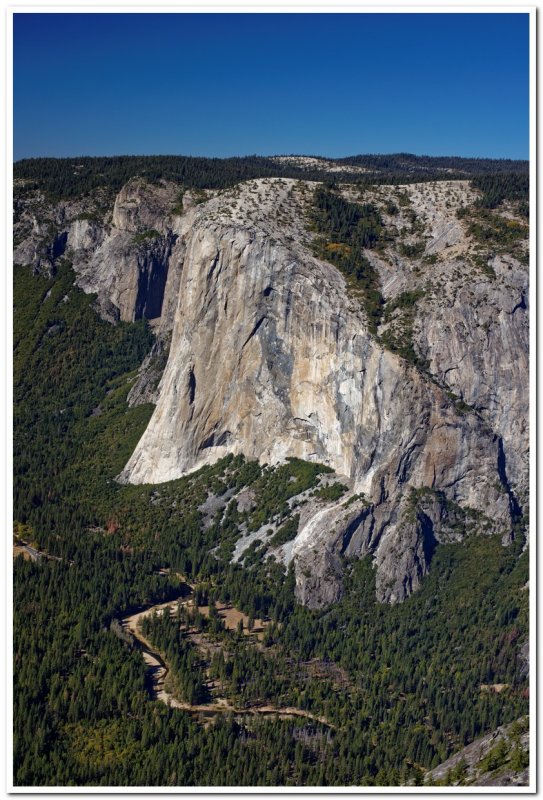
point(158, 667)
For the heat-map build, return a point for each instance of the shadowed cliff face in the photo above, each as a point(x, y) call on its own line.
point(127, 264)
point(271, 357)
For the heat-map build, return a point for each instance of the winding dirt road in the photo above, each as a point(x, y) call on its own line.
point(159, 669)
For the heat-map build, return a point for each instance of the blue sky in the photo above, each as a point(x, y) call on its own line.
point(237, 84)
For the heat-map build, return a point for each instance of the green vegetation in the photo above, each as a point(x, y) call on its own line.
point(187, 679)
point(400, 684)
point(482, 263)
point(493, 232)
point(404, 301)
point(507, 755)
point(276, 486)
point(404, 200)
point(431, 259)
point(355, 498)
point(495, 758)
point(72, 177)
point(448, 168)
point(90, 216)
point(286, 532)
point(399, 316)
point(344, 222)
point(331, 492)
point(430, 654)
point(457, 775)
point(519, 759)
point(496, 188)
point(496, 231)
point(146, 235)
point(71, 426)
point(391, 208)
point(414, 250)
point(346, 230)
point(238, 669)
point(178, 208)
point(199, 196)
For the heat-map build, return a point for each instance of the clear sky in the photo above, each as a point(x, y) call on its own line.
point(238, 84)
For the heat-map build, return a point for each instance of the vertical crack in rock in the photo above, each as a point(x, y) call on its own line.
point(514, 506)
point(191, 386)
point(253, 332)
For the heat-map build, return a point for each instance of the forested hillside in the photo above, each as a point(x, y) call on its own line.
point(71, 177)
point(401, 687)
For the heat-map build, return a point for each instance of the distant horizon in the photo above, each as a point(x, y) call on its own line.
point(221, 84)
point(271, 155)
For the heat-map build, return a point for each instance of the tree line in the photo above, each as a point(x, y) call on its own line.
point(72, 177)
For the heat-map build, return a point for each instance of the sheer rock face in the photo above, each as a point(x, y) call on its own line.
point(134, 287)
point(271, 357)
point(127, 265)
point(141, 206)
point(125, 257)
point(483, 357)
point(471, 325)
point(268, 359)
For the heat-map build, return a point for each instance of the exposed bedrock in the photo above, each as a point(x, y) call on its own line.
point(270, 358)
point(262, 351)
point(477, 344)
point(127, 264)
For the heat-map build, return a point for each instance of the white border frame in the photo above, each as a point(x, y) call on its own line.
point(6, 430)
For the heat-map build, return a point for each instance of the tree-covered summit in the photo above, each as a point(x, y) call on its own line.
point(72, 177)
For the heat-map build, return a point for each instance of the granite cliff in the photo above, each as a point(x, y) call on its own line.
point(264, 349)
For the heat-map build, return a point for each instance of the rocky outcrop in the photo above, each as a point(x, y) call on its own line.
point(483, 357)
point(127, 265)
point(133, 288)
point(471, 322)
point(42, 228)
point(124, 257)
point(324, 535)
point(271, 356)
point(142, 206)
point(498, 759)
point(145, 388)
